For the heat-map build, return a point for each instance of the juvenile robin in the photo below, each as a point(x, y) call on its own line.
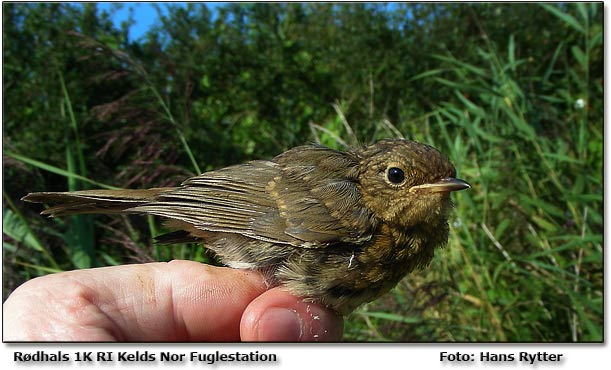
point(338, 228)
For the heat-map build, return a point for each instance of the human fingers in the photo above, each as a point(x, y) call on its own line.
point(277, 316)
point(179, 300)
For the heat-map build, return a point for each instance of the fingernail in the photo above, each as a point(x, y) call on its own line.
point(280, 325)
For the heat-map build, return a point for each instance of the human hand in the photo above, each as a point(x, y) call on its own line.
point(174, 301)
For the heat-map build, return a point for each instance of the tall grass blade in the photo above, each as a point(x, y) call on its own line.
point(567, 18)
point(80, 234)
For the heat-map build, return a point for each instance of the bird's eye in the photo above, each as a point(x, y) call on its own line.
point(395, 175)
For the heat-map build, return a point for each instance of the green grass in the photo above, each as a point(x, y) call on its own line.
point(524, 261)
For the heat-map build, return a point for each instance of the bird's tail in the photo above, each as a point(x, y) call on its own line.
point(94, 201)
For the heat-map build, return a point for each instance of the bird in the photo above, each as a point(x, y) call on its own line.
point(338, 228)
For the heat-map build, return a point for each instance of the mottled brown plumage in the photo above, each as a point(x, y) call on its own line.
point(339, 228)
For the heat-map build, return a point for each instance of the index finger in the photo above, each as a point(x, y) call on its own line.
point(179, 300)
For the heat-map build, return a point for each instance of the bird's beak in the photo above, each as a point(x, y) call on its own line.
point(442, 186)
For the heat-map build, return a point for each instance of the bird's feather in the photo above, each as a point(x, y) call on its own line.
point(312, 202)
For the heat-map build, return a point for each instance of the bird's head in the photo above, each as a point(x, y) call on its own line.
point(406, 183)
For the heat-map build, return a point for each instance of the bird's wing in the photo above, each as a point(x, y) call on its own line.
point(232, 200)
point(308, 198)
point(318, 196)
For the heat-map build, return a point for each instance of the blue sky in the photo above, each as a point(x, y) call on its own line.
point(145, 14)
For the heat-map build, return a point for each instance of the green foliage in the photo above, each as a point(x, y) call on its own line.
point(520, 113)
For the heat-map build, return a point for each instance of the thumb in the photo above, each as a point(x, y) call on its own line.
point(277, 316)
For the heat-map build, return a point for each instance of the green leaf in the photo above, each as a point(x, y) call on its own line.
point(56, 170)
point(547, 207)
point(42, 269)
point(428, 73)
point(563, 158)
point(552, 64)
point(567, 18)
point(595, 41)
point(583, 12)
point(476, 70)
point(580, 57)
point(511, 50)
point(500, 229)
point(544, 224)
point(392, 317)
point(469, 104)
point(13, 226)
